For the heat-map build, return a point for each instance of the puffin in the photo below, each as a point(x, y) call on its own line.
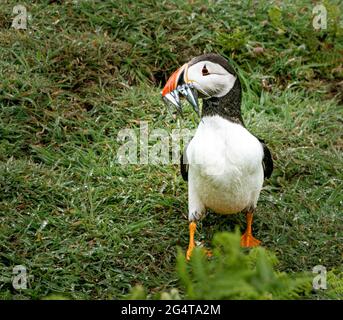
point(224, 164)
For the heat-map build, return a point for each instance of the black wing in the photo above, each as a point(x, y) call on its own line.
point(184, 165)
point(267, 160)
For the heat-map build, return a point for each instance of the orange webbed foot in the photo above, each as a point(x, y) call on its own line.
point(248, 241)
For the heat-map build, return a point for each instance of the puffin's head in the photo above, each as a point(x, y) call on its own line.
point(208, 76)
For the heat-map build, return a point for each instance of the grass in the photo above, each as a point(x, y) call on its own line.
point(89, 228)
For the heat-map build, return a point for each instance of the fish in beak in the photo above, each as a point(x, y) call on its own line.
point(178, 86)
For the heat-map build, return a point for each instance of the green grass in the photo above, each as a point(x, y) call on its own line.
point(87, 227)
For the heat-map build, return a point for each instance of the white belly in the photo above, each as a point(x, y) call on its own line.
point(225, 167)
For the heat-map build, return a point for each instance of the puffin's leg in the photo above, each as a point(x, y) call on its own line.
point(191, 245)
point(247, 239)
point(195, 210)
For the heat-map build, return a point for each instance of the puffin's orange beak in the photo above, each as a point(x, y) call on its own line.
point(177, 84)
point(169, 93)
point(173, 81)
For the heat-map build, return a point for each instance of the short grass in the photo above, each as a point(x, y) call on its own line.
point(89, 228)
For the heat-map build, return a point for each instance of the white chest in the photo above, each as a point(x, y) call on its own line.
point(225, 165)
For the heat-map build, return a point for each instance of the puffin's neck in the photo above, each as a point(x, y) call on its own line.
point(228, 106)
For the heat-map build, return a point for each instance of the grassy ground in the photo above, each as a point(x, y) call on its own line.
point(87, 227)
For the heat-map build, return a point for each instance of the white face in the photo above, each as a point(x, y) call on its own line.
point(210, 79)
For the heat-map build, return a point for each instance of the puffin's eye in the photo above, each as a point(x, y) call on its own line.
point(205, 71)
